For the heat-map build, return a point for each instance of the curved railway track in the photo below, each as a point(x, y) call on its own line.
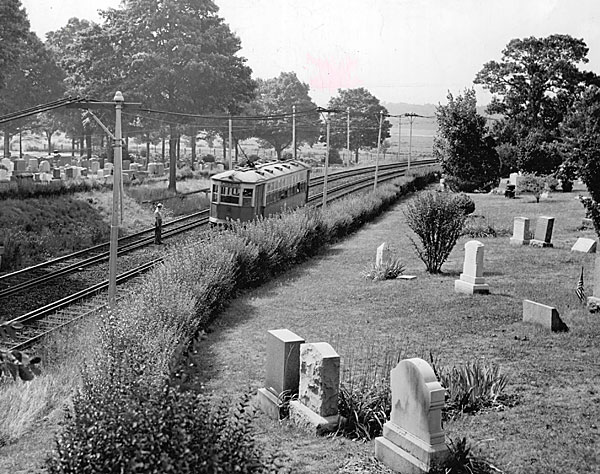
point(51, 317)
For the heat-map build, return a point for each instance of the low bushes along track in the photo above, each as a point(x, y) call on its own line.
point(50, 317)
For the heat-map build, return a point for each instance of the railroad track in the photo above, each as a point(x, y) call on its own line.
point(42, 321)
point(31, 277)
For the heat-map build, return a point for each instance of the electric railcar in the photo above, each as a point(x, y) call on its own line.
point(243, 194)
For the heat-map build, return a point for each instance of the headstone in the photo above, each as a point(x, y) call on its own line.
point(520, 231)
point(126, 164)
point(94, 166)
point(587, 223)
point(33, 165)
point(69, 173)
point(220, 167)
point(471, 279)
point(317, 406)
point(8, 164)
point(4, 175)
point(85, 163)
point(413, 438)
point(45, 166)
point(56, 173)
point(442, 184)
point(543, 232)
point(513, 178)
point(100, 173)
point(108, 169)
point(283, 370)
point(593, 302)
point(20, 166)
point(584, 245)
point(379, 256)
point(502, 185)
point(542, 315)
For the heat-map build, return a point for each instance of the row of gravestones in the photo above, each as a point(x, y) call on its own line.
point(472, 280)
point(308, 374)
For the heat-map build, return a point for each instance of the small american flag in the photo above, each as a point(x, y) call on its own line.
point(579, 291)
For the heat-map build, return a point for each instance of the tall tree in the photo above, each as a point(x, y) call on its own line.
point(14, 28)
point(34, 79)
point(277, 96)
point(365, 112)
point(581, 146)
point(534, 84)
point(463, 145)
point(176, 56)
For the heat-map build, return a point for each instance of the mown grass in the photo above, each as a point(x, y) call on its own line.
point(554, 377)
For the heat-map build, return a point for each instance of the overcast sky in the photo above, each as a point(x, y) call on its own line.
point(412, 51)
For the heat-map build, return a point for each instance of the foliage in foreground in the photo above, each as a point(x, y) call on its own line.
point(461, 460)
point(388, 269)
point(124, 428)
point(438, 220)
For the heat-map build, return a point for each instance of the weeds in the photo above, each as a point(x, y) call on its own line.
point(386, 270)
point(461, 460)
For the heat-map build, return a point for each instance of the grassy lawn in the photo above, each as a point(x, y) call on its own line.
point(555, 425)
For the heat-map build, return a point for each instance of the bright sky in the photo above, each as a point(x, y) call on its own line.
point(412, 51)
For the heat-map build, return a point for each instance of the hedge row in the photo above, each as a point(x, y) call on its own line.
point(125, 413)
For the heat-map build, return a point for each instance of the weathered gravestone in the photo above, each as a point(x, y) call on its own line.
point(283, 370)
point(45, 166)
point(379, 256)
point(542, 315)
point(593, 302)
point(584, 245)
point(543, 232)
point(317, 406)
point(471, 279)
point(413, 438)
point(520, 231)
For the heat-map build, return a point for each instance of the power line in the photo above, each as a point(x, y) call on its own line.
point(39, 109)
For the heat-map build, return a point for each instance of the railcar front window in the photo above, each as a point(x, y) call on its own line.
point(230, 194)
point(215, 192)
point(247, 197)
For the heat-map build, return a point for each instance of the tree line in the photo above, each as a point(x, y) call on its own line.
point(545, 120)
point(172, 56)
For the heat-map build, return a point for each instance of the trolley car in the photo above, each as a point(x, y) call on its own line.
point(243, 194)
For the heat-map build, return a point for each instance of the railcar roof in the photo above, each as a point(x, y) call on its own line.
point(260, 172)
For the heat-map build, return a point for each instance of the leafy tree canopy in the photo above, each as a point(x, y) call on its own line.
point(14, 28)
point(463, 145)
point(277, 96)
point(365, 113)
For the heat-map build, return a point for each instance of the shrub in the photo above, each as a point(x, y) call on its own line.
point(208, 158)
point(438, 220)
point(129, 429)
point(465, 203)
point(532, 184)
point(478, 226)
point(386, 270)
point(470, 387)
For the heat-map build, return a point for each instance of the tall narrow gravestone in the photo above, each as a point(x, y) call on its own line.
point(379, 256)
point(317, 406)
point(283, 370)
point(471, 279)
point(520, 231)
point(413, 438)
point(543, 232)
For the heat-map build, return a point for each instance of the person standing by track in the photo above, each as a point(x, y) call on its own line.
point(158, 224)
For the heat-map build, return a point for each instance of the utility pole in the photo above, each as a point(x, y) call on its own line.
point(118, 103)
point(411, 118)
point(399, 134)
point(378, 147)
point(294, 130)
point(326, 164)
point(114, 223)
point(230, 158)
point(348, 135)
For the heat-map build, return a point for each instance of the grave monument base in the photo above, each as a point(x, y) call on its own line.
point(540, 243)
point(518, 242)
point(304, 417)
point(405, 453)
point(593, 304)
point(461, 286)
point(268, 403)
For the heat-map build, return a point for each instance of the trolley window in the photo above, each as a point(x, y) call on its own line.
point(247, 197)
point(230, 194)
point(215, 192)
